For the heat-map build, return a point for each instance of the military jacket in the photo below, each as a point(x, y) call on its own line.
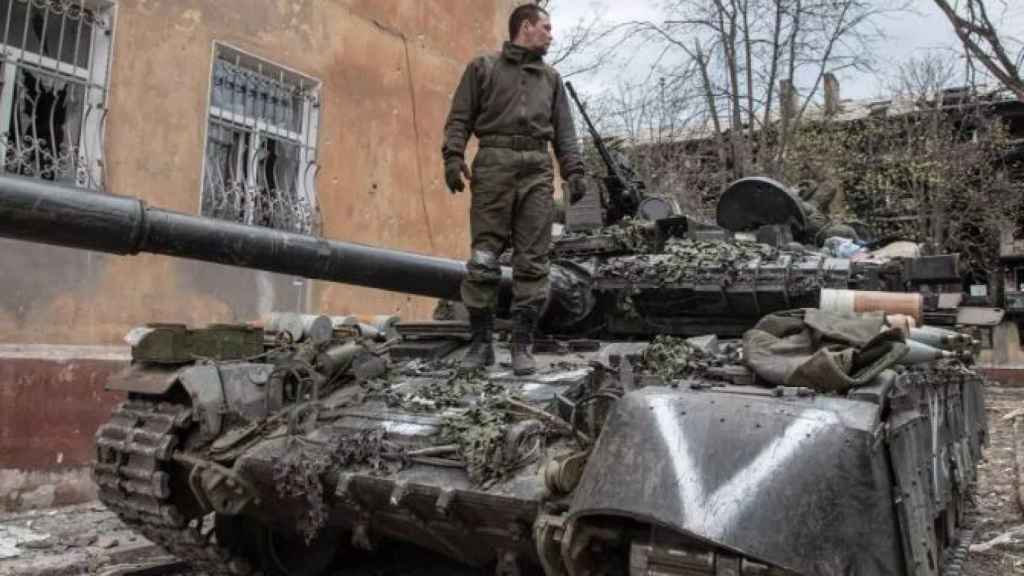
point(513, 93)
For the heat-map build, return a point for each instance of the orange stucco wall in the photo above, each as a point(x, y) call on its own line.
point(387, 68)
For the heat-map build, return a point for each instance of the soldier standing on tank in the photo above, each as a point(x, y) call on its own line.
point(516, 105)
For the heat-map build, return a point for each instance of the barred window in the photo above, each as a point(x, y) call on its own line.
point(54, 62)
point(261, 157)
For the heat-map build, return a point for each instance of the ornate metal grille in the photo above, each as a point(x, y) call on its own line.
point(261, 160)
point(54, 56)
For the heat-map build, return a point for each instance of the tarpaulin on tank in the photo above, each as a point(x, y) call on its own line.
point(822, 351)
point(795, 482)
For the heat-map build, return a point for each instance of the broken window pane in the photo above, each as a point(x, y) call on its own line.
point(277, 174)
point(225, 176)
point(45, 127)
point(51, 100)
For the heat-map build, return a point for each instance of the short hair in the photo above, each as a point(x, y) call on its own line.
point(525, 12)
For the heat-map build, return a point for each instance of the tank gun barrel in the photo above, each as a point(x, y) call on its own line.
point(65, 216)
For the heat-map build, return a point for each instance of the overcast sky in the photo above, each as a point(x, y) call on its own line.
point(906, 35)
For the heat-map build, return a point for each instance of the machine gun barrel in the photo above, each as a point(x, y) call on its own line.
point(602, 148)
point(75, 218)
point(624, 192)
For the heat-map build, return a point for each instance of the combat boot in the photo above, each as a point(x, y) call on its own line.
point(481, 348)
point(523, 362)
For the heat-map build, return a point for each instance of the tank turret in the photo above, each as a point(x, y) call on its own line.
point(633, 278)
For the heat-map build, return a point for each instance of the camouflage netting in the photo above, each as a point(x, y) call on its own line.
point(367, 448)
point(631, 235)
point(476, 416)
point(479, 433)
point(686, 260)
point(299, 474)
point(674, 358)
point(458, 389)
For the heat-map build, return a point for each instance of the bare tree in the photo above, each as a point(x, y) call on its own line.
point(923, 78)
point(983, 42)
point(742, 49)
point(938, 167)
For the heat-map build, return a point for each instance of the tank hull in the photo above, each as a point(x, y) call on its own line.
point(791, 484)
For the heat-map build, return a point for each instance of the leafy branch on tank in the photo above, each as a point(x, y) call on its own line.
point(479, 433)
point(478, 416)
point(299, 475)
point(302, 472)
point(629, 234)
point(672, 359)
point(683, 260)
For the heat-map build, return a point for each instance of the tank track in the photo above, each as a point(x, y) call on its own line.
point(134, 459)
point(956, 556)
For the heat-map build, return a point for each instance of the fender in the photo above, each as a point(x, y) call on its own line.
point(799, 483)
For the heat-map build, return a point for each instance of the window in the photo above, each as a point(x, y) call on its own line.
point(261, 160)
point(54, 69)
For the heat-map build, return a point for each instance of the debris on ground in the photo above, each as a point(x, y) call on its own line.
point(998, 548)
point(134, 555)
point(1010, 537)
point(67, 541)
point(13, 540)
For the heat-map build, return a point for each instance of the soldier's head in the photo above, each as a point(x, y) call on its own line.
point(529, 26)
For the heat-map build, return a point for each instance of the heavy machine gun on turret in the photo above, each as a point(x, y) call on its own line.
point(623, 188)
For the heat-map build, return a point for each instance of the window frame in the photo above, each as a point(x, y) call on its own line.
point(306, 139)
point(95, 78)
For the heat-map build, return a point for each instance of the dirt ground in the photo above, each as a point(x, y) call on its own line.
point(74, 540)
point(998, 545)
point(88, 539)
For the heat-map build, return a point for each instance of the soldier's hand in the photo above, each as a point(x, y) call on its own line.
point(454, 170)
point(577, 188)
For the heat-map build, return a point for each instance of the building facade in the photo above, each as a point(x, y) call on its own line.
point(319, 116)
point(316, 116)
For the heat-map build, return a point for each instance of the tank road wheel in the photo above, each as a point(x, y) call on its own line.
point(280, 553)
point(138, 479)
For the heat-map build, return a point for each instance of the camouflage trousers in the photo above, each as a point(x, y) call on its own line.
point(512, 205)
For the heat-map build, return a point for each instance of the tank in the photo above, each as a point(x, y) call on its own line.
point(648, 442)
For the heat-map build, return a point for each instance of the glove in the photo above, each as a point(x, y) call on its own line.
point(454, 170)
point(577, 188)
